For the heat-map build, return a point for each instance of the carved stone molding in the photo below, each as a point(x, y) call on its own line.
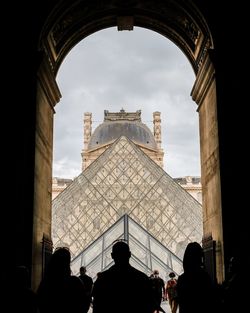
point(204, 78)
point(47, 81)
point(179, 21)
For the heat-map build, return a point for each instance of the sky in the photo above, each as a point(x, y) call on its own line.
point(130, 70)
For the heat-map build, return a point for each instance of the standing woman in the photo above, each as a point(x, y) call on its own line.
point(171, 292)
point(195, 289)
point(59, 291)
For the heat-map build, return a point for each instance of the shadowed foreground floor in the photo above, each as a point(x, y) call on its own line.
point(164, 305)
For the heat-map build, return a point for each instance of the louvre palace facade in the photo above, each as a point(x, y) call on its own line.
point(124, 193)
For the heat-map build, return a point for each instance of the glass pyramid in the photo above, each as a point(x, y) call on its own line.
point(147, 253)
point(124, 180)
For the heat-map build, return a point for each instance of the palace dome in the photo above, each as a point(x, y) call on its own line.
point(109, 131)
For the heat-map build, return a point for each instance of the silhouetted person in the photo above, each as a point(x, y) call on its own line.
point(235, 290)
point(122, 288)
point(24, 300)
point(88, 285)
point(158, 287)
point(59, 291)
point(195, 289)
point(171, 292)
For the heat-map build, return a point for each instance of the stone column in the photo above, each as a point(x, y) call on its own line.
point(48, 95)
point(204, 94)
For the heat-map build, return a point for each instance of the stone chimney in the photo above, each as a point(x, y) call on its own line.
point(157, 128)
point(87, 131)
point(87, 122)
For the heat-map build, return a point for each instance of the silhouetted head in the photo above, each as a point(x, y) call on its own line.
point(171, 275)
point(59, 264)
point(98, 274)
point(193, 257)
point(82, 270)
point(156, 273)
point(120, 253)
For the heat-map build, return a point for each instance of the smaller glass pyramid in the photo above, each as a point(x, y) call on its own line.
point(147, 253)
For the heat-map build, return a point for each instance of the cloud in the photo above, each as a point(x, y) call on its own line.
point(110, 70)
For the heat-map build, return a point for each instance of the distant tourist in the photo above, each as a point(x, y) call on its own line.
point(158, 287)
point(88, 285)
point(171, 292)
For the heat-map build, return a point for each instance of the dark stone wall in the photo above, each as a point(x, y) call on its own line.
point(20, 61)
point(228, 24)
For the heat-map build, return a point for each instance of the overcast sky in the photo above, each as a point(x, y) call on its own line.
point(133, 70)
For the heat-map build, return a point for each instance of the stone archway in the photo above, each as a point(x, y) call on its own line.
point(179, 21)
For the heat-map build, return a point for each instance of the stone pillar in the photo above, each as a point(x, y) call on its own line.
point(204, 94)
point(157, 128)
point(48, 95)
point(87, 132)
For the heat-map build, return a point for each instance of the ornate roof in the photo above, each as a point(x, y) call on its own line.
point(119, 124)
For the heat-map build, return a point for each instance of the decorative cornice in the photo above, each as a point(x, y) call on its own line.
point(122, 116)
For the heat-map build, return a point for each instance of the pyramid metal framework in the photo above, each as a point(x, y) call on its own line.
point(147, 253)
point(124, 180)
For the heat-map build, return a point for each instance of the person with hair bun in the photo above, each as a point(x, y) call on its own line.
point(171, 292)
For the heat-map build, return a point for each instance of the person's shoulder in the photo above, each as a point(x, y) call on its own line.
point(180, 277)
point(104, 277)
point(139, 273)
point(89, 278)
point(106, 273)
point(75, 280)
point(172, 282)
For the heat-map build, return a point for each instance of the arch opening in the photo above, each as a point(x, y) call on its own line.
point(138, 70)
point(180, 22)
